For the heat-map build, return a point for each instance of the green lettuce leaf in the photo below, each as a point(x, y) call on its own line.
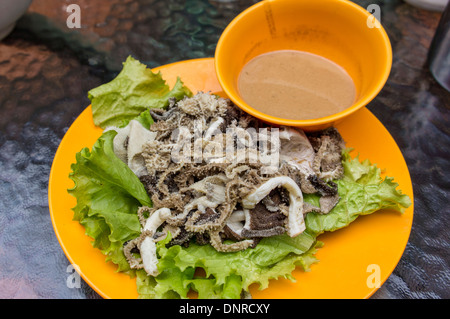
point(362, 191)
point(145, 119)
point(135, 89)
point(226, 274)
point(108, 196)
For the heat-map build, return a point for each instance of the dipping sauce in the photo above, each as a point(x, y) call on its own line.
point(295, 85)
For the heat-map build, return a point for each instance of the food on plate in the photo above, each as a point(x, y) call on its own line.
point(179, 182)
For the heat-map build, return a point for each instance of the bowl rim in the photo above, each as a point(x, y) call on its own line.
point(384, 75)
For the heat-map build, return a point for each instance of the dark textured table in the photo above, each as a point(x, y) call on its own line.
point(46, 70)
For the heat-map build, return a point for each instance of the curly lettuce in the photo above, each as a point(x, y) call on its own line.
point(108, 195)
point(135, 89)
point(362, 191)
point(226, 275)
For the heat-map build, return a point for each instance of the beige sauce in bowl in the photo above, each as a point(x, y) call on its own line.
point(295, 85)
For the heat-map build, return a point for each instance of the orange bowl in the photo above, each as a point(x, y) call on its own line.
point(338, 30)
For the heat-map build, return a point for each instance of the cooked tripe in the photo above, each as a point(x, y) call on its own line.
point(217, 175)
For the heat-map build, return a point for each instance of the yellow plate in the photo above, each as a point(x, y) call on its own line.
point(351, 259)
